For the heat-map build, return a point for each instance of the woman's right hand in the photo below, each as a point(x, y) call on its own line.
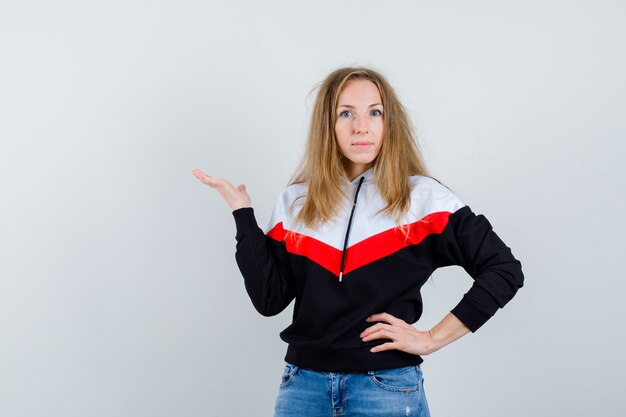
point(235, 197)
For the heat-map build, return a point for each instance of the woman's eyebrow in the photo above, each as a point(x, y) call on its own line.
point(352, 107)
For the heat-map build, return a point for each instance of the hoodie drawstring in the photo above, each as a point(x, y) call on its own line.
point(345, 243)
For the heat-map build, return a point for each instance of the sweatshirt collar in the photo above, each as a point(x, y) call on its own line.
point(367, 174)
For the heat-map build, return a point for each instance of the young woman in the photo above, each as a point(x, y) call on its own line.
point(353, 237)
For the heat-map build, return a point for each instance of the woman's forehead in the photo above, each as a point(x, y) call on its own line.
point(359, 91)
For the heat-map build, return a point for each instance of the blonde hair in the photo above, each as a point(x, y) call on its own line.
point(322, 168)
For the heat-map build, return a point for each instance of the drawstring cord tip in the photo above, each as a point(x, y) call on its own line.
point(340, 276)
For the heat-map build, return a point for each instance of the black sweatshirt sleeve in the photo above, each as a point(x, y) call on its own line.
point(469, 241)
point(263, 262)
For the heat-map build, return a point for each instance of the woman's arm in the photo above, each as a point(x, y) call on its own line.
point(264, 264)
point(262, 261)
point(469, 241)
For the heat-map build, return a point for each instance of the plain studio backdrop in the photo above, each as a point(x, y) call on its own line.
point(119, 291)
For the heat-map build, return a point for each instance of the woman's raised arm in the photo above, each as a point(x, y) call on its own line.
point(262, 261)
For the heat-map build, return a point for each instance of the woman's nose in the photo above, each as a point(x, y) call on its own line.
point(360, 125)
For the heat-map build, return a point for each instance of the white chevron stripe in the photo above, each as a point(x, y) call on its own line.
point(427, 196)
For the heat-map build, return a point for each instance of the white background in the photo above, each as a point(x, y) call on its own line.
point(119, 291)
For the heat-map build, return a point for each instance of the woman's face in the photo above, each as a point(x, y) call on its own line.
point(359, 126)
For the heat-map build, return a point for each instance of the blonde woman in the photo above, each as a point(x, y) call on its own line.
point(352, 238)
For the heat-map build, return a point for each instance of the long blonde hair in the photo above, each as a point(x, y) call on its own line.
point(321, 166)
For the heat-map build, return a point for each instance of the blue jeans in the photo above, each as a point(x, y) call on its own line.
point(389, 392)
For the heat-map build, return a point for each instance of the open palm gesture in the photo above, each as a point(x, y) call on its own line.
point(236, 197)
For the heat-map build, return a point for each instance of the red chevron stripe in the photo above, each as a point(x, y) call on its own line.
point(366, 251)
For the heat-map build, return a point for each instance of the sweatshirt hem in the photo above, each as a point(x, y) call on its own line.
point(349, 360)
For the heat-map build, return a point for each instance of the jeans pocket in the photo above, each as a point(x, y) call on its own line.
point(406, 379)
point(289, 373)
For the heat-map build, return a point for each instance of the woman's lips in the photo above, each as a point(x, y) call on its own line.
point(363, 145)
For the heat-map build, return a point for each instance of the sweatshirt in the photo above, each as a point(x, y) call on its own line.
point(359, 264)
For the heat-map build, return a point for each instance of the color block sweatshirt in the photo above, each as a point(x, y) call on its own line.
point(360, 264)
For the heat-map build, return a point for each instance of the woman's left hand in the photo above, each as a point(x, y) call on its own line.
point(404, 336)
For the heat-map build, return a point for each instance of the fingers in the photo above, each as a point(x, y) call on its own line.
point(242, 188)
point(221, 184)
point(207, 179)
point(386, 317)
point(198, 173)
point(381, 333)
point(396, 335)
point(384, 346)
point(202, 176)
point(402, 336)
point(386, 322)
point(370, 331)
point(236, 197)
point(388, 327)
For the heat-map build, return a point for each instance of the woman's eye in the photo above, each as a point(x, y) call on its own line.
point(377, 113)
point(345, 113)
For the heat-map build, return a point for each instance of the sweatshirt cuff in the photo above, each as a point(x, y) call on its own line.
point(475, 308)
point(244, 221)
